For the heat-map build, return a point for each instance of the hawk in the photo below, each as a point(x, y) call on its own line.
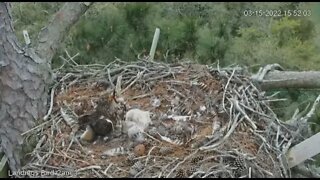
point(108, 114)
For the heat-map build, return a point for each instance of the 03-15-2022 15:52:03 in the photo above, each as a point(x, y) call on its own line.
point(276, 13)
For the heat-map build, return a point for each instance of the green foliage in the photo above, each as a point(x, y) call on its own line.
point(135, 15)
point(285, 109)
point(284, 30)
point(210, 45)
point(285, 43)
point(176, 36)
point(98, 36)
point(205, 32)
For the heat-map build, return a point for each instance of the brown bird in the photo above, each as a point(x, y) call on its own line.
point(103, 120)
point(111, 107)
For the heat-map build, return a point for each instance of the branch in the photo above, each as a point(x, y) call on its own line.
point(51, 36)
point(291, 79)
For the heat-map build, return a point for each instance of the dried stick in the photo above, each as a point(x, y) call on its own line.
point(225, 90)
point(88, 168)
point(109, 77)
point(186, 158)
point(45, 118)
point(139, 75)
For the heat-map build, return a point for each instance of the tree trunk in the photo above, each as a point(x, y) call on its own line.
point(24, 79)
point(25, 76)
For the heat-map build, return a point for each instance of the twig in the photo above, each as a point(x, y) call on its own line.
point(109, 77)
point(71, 58)
point(160, 77)
point(45, 118)
point(107, 169)
point(151, 137)
point(312, 110)
point(148, 156)
point(236, 104)
point(186, 158)
point(225, 90)
point(140, 96)
point(231, 130)
point(39, 126)
point(88, 168)
point(179, 93)
point(139, 75)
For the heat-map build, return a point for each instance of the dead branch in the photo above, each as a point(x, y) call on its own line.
point(291, 79)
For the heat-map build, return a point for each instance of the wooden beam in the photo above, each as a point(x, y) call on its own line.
point(291, 79)
point(304, 150)
point(154, 44)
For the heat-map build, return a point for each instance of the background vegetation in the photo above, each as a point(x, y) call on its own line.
point(202, 32)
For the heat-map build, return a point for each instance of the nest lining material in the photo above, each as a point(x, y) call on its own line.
point(236, 134)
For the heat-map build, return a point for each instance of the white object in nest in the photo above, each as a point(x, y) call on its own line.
point(121, 100)
point(135, 133)
point(115, 151)
point(179, 118)
point(138, 117)
point(216, 125)
point(175, 101)
point(203, 108)
point(175, 142)
point(135, 123)
point(156, 102)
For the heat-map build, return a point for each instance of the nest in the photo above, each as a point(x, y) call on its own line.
point(234, 131)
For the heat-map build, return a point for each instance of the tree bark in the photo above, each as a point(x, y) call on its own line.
point(291, 79)
point(25, 76)
point(23, 83)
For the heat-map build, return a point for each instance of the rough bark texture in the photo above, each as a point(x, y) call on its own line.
point(51, 36)
point(25, 76)
point(291, 79)
point(23, 84)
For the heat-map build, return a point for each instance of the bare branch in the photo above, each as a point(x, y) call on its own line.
point(291, 79)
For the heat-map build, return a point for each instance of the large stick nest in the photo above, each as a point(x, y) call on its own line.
point(236, 134)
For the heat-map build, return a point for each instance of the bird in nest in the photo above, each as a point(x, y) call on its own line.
point(105, 118)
